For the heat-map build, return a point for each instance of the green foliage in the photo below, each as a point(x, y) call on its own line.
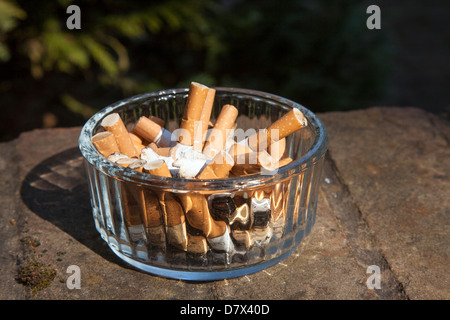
point(317, 52)
point(10, 14)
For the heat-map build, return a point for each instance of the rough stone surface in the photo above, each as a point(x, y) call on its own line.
point(384, 201)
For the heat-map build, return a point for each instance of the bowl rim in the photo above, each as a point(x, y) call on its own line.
point(94, 158)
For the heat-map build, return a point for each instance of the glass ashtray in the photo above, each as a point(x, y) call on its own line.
point(263, 216)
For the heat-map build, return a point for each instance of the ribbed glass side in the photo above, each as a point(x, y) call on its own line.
point(258, 222)
point(277, 219)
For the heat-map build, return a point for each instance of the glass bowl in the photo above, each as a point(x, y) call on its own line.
point(266, 215)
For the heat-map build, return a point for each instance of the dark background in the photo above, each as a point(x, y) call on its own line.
point(317, 52)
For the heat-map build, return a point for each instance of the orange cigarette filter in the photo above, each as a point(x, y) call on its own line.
point(137, 142)
point(218, 168)
point(222, 164)
point(153, 216)
point(105, 143)
point(153, 146)
point(218, 137)
point(205, 119)
point(289, 123)
point(174, 220)
point(174, 214)
point(158, 168)
point(132, 204)
point(198, 215)
point(157, 120)
point(114, 124)
point(193, 111)
point(147, 129)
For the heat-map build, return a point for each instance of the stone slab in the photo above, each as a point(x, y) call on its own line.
point(383, 202)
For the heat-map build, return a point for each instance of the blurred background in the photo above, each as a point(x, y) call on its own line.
point(319, 53)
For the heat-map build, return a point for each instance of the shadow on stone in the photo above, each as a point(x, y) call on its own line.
point(57, 190)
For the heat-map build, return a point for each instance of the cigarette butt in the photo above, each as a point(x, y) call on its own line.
point(153, 214)
point(152, 132)
point(157, 120)
point(219, 134)
point(207, 173)
point(198, 215)
point(196, 100)
point(114, 124)
point(217, 168)
point(153, 146)
point(206, 111)
point(222, 164)
point(147, 129)
point(137, 142)
point(193, 111)
point(287, 124)
point(170, 164)
point(174, 220)
point(157, 167)
point(161, 151)
point(200, 137)
point(105, 143)
point(116, 156)
point(131, 206)
point(197, 244)
point(153, 219)
point(137, 165)
point(187, 130)
point(277, 149)
point(174, 214)
point(133, 211)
